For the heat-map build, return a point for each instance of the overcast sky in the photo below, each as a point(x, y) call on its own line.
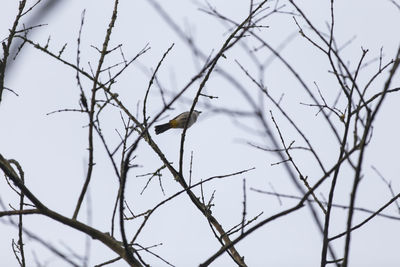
point(52, 148)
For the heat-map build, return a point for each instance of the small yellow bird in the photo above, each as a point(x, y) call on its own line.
point(178, 122)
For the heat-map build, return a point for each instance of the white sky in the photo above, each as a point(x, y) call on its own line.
point(52, 149)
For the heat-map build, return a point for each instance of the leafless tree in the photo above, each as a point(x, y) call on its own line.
point(346, 113)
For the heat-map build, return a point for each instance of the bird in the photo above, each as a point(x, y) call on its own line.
point(178, 122)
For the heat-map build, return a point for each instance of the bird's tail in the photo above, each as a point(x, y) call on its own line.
point(162, 128)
